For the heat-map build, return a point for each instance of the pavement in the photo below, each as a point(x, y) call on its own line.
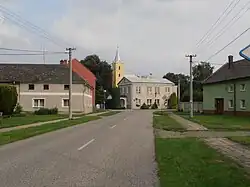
point(115, 151)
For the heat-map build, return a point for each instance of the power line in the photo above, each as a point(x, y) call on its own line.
point(219, 20)
point(26, 50)
point(227, 26)
point(229, 43)
point(30, 54)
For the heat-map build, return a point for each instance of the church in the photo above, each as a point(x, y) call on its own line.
point(135, 90)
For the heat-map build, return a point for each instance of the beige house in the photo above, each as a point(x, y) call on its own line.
point(136, 90)
point(47, 86)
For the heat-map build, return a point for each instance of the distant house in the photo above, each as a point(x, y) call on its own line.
point(47, 86)
point(227, 91)
point(136, 90)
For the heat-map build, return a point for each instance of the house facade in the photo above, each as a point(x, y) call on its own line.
point(136, 90)
point(47, 86)
point(227, 91)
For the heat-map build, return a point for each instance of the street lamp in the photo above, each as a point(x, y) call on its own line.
point(104, 98)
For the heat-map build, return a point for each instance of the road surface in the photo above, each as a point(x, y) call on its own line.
point(117, 151)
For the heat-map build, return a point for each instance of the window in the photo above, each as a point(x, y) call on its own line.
point(149, 101)
point(242, 104)
point(242, 87)
point(230, 88)
point(168, 89)
point(138, 101)
point(46, 87)
point(65, 103)
point(149, 90)
point(119, 67)
point(31, 87)
point(119, 75)
point(138, 89)
point(157, 90)
point(157, 101)
point(230, 104)
point(38, 103)
point(66, 87)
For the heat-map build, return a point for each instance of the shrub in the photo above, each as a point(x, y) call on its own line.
point(46, 111)
point(8, 99)
point(172, 102)
point(18, 109)
point(144, 106)
point(154, 106)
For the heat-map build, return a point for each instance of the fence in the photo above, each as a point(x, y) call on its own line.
point(185, 106)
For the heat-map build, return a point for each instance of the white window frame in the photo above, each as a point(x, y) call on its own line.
point(229, 103)
point(158, 103)
point(149, 102)
point(243, 90)
point(138, 89)
point(33, 103)
point(229, 88)
point(241, 102)
point(149, 90)
point(63, 103)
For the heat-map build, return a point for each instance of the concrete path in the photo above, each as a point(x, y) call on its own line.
point(43, 123)
point(216, 140)
point(115, 151)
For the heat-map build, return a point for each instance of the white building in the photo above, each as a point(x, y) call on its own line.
point(136, 90)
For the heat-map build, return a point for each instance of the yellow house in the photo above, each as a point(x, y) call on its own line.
point(118, 69)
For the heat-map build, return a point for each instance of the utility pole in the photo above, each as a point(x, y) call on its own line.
point(191, 84)
point(179, 94)
point(70, 81)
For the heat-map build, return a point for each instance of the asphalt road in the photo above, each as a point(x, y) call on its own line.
point(117, 151)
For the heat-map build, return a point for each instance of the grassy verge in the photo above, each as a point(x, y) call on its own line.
point(109, 113)
point(29, 119)
point(244, 140)
point(15, 135)
point(162, 121)
point(220, 122)
point(189, 163)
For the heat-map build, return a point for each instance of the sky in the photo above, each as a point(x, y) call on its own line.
point(153, 35)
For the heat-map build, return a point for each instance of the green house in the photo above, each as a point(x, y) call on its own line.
point(227, 91)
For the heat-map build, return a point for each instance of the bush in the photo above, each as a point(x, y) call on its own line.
point(8, 99)
point(154, 106)
point(144, 106)
point(46, 111)
point(18, 109)
point(172, 102)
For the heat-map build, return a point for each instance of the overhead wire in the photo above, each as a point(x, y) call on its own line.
point(219, 20)
point(28, 50)
point(227, 26)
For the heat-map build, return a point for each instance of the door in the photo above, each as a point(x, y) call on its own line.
point(219, 105)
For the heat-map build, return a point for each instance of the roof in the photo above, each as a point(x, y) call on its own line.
point(117, 56)
point(38, 73)
point(147, 79)
point(238, 69)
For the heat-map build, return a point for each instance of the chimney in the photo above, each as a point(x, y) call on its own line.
point(230, 61)
point(62, 62)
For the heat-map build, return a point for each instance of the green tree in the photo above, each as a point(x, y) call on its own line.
point(103, 72)
point(114, 103)
point(172, 102)
point(8, 99)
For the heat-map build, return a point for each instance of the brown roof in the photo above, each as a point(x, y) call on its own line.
point(37, 73)
point(238, 69)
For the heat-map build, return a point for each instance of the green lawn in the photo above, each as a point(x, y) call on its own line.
point(15, 135)
point(29, 119)
point(164, 122)
point(244, 140)
point(191, 163)
point(221, 122)
point(109, 113)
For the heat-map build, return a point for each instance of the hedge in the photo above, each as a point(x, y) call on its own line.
point(8, 99)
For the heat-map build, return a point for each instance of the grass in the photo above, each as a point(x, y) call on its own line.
point(164, 122)
point(244, 140)
point(191, 163)
point(29, 119)
point(15, 135)
point(109, 113)
point(221, 122)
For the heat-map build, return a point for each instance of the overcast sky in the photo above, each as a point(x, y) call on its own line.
point(153, 35)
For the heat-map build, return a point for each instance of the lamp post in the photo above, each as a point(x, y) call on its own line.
point(104, 91)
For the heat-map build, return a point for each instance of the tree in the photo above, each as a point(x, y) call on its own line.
point(8, 99)
point(103, 72)
point(114, 103)
point(172, 102)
